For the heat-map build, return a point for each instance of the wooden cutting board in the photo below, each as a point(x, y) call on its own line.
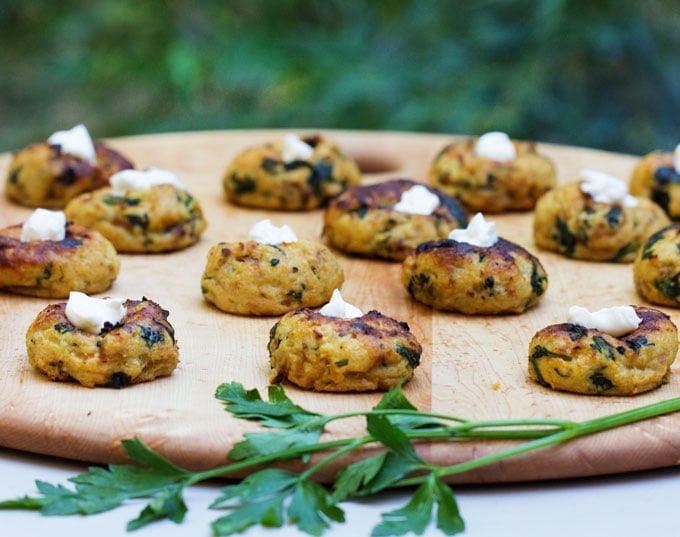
point(472, 367)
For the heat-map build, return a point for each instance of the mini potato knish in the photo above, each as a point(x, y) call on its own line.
point(260, 177)
point(570, 222)
point(332, 354)
point(161, 219)
point(488, 186)
point(573, 358)
point(40, 175)
point(458, 276)
point(139, 348)
point(251, 278)
point(83, 261)
point(362, 220)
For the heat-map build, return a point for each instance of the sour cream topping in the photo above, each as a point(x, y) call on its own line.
point(616, 321)
point(676, 158)
point(128, 180)
point(604, 188)
point(479, 232)
point(76, 142)
point(417, 200)
point(44, 225)
point(91, 314)
point(267, 233)
point(495, 145)
point(295, 149)
point(337, 307)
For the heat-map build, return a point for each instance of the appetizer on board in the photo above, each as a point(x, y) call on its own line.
point(48, 257)
point(292, 173)
point(107, 342)
point(271, 273)
point(622, 350)
point(50, 174)
point(474, 272)
point(341, 349)
point(389, 219)
point(595, 219)
point(143, 211)
point(493, 173)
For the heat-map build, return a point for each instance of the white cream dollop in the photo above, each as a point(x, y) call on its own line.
point(44, 225)
point(295, 149)
point(495, 145)
point(337, 307)
point(616, 321)
point(604, 188)
point(76, 142)
point(128, 180)
point(417, 200)
point(676, 158)
point(479, 232)
point(267, 233)
point(91, 314)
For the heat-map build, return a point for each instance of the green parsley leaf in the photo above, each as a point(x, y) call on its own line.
point(168, 504)
point(413, 517)
point(352, 480)
point(391, 436)
point(267, 512)
point(396, 399)
point(279, 412)
point(448, 514)
point(269, 497)
point(394, 469)
point(312, 507)
point(260, 501)
point(269, 442)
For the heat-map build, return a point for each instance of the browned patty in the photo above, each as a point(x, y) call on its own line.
point(574, 358)
point(656, 269)
point(250, 278)
point(361, 220)
point(571, 223)
point(458, 276)
point(41, 176)
point(161, 219)
point(656, 178)
point(83, 261)
point(488, 186)
point(139, 348)
point(330, 354)
point(258, 177)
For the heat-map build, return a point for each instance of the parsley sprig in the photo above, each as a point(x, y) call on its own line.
point(272, 496)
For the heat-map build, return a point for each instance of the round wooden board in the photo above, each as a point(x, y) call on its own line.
point(472, 367)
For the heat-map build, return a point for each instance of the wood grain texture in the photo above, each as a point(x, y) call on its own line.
point(473, 367)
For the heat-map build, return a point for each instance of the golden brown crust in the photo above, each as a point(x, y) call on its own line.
point(84, 261)
point(161, 219)
point(457, 276)
point(655, 178)
point(249, 278)
point(258, 177)
point(330, 354)
point(656, 270)
point(571, 223)
point(138, 349)
point(361, 220)
point(41, 176)
point(577, 359)
point(488, 186)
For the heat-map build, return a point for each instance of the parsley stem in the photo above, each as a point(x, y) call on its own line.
point(287, 454)
point(591, 426)
point(352, 446)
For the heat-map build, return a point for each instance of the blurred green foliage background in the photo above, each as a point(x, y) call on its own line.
point(598, 73)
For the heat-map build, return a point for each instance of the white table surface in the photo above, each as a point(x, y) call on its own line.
point(644, 503)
